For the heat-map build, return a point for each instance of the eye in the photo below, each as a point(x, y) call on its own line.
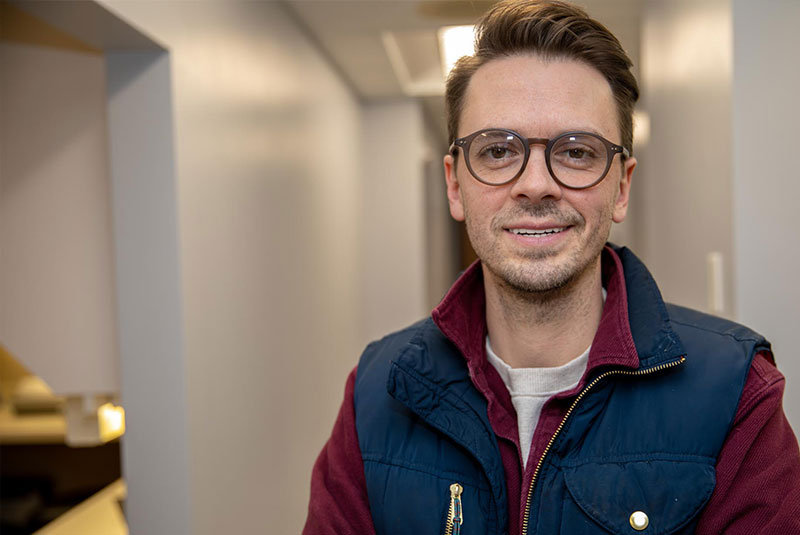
point(497, 152)
point(494, 150)
point(578, 153)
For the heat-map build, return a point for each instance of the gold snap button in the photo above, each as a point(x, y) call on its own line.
point(639, 520)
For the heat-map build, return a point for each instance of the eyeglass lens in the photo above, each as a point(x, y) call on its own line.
point(576, 160)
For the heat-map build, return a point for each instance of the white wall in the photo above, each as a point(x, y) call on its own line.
point(442, 232)
point(57, 301)
point(155, 449)
point(720, 83)
point(299, 234)
point(394, 216)
point(766, 180)
point(269, 179)
point(684, 187)
point(89, 272)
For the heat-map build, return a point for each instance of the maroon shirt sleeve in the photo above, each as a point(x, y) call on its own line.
point(758, 470)
point(338, 503)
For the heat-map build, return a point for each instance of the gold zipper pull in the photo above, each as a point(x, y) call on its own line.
point(455, 516)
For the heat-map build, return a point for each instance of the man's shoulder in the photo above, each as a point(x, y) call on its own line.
point(381, 352)
point(421, 349)
point(703, 324)
point(401, 337)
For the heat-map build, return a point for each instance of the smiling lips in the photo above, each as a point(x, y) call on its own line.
point(536, 232)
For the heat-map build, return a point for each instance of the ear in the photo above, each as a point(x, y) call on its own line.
point(454, 197)
point(623, 195)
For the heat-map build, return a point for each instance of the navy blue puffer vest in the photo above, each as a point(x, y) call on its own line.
point(643, 440)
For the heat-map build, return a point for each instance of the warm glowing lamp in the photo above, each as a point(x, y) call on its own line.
point(111, 420)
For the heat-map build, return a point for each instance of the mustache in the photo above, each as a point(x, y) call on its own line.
point(540, 210)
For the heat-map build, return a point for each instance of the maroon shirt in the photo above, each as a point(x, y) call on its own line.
point(758, 470)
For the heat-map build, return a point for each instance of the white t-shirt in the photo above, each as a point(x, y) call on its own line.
point(530, 388)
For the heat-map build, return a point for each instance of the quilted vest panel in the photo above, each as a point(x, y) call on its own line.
point(429, 436)
point(647, 443)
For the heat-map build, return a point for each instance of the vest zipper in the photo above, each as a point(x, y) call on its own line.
point(583, 392)
point(455, 516)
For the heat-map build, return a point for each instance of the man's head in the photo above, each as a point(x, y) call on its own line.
point(552, 30)
point(542, 71)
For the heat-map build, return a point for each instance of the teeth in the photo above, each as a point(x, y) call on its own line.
point(531, 232)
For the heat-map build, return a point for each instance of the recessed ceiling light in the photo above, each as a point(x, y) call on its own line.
point(455, 42)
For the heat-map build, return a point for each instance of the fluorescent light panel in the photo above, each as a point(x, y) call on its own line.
point(454, 42)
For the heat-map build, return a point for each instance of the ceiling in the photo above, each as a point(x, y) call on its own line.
point(387, 49)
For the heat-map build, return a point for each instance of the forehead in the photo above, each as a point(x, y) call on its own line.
point(539, 97)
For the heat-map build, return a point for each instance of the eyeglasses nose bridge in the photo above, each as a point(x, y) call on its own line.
point(529, 153)
point(537, 141)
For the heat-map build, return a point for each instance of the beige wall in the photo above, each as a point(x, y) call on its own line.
point(394, 217)
point(156, 446)
point(442, 232)
point(766, 179)
point(89, 292)
point(684, 181)
point(57, 301)
point(720, 85)
point(301, 234)
point(269, 178)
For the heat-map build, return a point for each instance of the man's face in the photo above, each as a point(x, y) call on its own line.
point(538, 98)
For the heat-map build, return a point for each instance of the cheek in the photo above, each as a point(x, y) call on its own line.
point(596, 208)
point(481, 203)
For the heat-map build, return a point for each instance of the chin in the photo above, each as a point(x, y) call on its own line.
point(535, 279)
point(543, 274)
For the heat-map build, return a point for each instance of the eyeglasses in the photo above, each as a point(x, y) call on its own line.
point(576, 160)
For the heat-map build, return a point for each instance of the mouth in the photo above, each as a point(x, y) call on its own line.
point(536, 232)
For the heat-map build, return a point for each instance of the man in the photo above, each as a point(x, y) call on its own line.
point(553, 391)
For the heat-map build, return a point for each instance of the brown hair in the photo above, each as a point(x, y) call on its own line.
point(551, 29)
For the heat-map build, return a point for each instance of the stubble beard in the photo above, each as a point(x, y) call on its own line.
point(540, 275)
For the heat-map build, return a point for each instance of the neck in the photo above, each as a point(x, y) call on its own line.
point(543, 329)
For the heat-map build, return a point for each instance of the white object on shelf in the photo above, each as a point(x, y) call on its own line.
point(716, 282)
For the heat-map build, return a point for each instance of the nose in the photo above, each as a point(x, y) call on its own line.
point(535, 182)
